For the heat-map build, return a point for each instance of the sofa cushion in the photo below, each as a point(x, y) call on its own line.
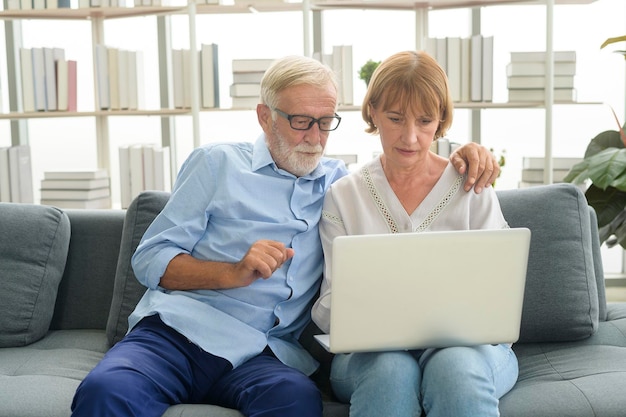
point(127, 290)
point(34, 241)
point(561, 295)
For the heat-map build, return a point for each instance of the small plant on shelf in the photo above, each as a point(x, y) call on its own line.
point(366, 71)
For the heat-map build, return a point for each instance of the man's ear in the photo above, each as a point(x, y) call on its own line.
point(264, 115)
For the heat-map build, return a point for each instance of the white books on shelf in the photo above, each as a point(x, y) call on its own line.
point(136, 170)
point(51, 55)
point(114, 77)
point(539, 81)
point(532, 162)
point(70, 184)
point(75, 175)
point(536, 175)
point(148, 167)
point(39, 78)
point(251, 64)
point(187, 77)
point(96, 203)
point(539, 68)
point(39, 4)
point(466, 68)
point(209, 75)
point(123, 77)
point(487, 68)
point(540, 56)
point(89, 194)
point(245, 90)
point(248, 77)
point(20, 174)
point(102, 77)
point(561, 94)
point(342, 66)
point(28, 88)
point(125, 187)
point(177, 76)
point(13, 5)
point(454, 66)
point(72, 85)
point(162, 169)
point(62, 73)
point(5, 182)
point(245, 102)
point(441, 45)
point(26, 4)
point(476, 75)
point(137, 82)
point(143, 167)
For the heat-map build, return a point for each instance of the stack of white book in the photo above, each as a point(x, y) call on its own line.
point(533, 168)
point(76, 189)
point(526, 76)
point(246, 87)
point(143, 167)
point(208, 72)
point(468, 63)
point(340, 60)
point(16, 177)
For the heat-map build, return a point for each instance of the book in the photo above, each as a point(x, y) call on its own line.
point(162, 170)
point(342, 66)
point(13, 5)
point(476, 73)
point(177, 77)
point(123, 78)
point(5, 182)
point(20, 174)
point(47, 184)
point(75, 194)
point(126, 196)
point(26, 4)
point(536, 175)
point(187, 77)
point(441, 46)
point(96, 203)
point(454, 67)
point(51, 56)
point(136, 170)
point(245, 102)
point(487, 68)
point(540, 56)
point(148, 167)
point(62, 79)
point(557, 162)
point(251, 65)
point(39, 78)
point(72, 85)
point(539, 68)
point(75, 175)
point(102, 77)
point(561, 94)
point(209, 75)
point(248, 77)
point(28, 88)
point(539, 81)
point(136, 81)
point(245, 90)
point(114, 77)
point(466, 69)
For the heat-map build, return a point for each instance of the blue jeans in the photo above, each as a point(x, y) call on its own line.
point(456, 381)
point(154, 367)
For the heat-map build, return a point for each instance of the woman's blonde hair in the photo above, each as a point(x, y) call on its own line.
point(413, 80)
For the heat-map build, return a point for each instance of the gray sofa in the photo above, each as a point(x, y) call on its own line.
point(68, 288)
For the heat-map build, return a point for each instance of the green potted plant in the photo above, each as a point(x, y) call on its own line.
point(366, 71)
point(604, 166)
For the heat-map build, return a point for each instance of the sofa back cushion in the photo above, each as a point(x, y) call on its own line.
point(34, 242)
point(127, 290)
point(561, 295)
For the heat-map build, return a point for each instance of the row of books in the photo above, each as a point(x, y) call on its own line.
point(120, 81)
point(468, 62)
point(533, 169)
point(37, 4)
point(526, 76)
point(143, 167)
point(340, 60)
point(16, 176)
point(76, 189)
point(49, 80)
point(208, 61)
point(57, 4)
point(246, 87)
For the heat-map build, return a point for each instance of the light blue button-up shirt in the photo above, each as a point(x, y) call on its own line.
point(226, 197)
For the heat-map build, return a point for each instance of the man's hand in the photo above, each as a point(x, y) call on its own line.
point(483, 167)
point(185, 272)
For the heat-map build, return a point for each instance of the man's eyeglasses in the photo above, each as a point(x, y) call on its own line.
point(300, 122)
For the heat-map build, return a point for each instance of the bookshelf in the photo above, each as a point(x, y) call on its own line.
point(312, 13)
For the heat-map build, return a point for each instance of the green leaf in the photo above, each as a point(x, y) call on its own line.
point(578, 173)
point(605, 167)
point(607, 203)
point(604, 140)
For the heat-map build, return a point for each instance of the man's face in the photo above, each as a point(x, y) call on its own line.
point(298, 151)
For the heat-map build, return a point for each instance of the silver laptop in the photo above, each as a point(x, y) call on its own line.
point(430, 289)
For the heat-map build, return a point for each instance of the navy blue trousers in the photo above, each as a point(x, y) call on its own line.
point(155, 367)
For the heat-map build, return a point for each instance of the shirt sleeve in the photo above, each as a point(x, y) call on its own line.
point(181, 223)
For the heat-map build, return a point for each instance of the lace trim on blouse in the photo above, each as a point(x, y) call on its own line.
point(441, 205)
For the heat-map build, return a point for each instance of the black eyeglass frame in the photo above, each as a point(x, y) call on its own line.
point(289, 117)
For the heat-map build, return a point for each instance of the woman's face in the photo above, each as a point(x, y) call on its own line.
point(405, 136)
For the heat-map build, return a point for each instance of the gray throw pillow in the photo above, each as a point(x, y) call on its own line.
point(127, 290)
point(34, 241)
point(561, 295)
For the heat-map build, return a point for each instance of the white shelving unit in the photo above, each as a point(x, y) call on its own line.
point(312, 15)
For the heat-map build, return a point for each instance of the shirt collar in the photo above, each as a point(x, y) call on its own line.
point(261, 157)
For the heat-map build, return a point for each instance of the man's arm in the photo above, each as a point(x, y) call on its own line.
point(481, 165)
point(184, 272)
